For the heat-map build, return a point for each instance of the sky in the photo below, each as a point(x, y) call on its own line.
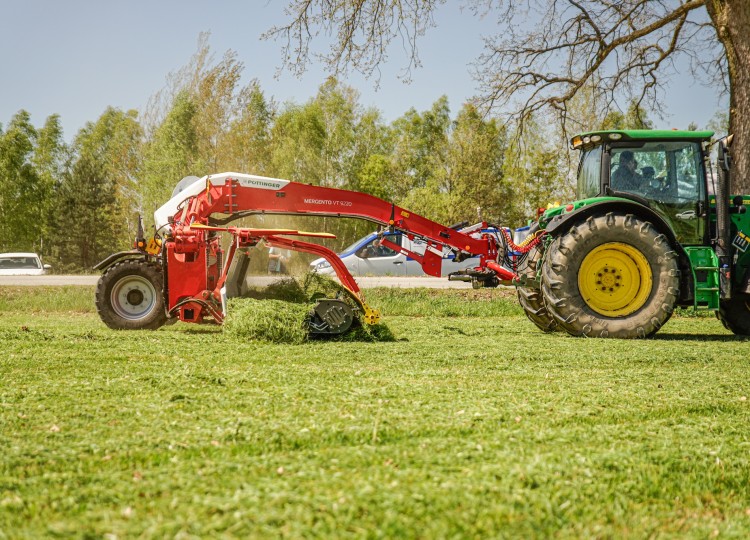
point(77, 57)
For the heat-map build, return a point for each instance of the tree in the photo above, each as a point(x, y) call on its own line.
point(475, 178)
point(371, 167)
point(364, 29)
point(23, 194)
point(331, 141)
point(628, 46)
point(203, 122)
point(298, 138)
point(375, 177)
point(327, 140)
point(32, 164)
point(96, 200)
point(634, 118)
point(535, 168)
point(170, 155)
point(420, 144)
point(216, 100)
point(247, 145)
point(50, 160)
point(466, 180)
point(447, 170)
point(719, 123)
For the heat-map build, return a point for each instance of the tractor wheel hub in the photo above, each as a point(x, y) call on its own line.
point(615, 279)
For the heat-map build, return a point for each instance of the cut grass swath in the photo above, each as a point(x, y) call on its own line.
point(280, 312)
point(275, 321)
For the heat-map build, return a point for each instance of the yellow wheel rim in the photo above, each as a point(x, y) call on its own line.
point(615, 279)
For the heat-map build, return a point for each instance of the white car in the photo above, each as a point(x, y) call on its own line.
point(22, 264)
point(366, 257)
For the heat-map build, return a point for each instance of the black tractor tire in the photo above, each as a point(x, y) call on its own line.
point(129, 296)
point(611, 276)
point(735, 314)
point(532, 300)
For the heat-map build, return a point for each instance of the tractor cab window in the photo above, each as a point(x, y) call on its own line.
point(670, 176)
point(589, 172)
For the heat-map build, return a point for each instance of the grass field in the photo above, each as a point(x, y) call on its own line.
point(471, 424)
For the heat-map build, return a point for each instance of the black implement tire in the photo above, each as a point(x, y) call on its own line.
point(735, 314)
point(129, 296)
point(611, 276)
point(531, 299)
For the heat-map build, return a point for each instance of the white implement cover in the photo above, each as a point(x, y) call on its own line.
point(169, 209)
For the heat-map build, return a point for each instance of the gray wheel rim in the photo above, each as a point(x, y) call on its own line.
point(133, 298)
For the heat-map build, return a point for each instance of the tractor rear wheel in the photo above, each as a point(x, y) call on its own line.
point(611, 276)
point(735, 314)
point(531, 299)
point(129, 296)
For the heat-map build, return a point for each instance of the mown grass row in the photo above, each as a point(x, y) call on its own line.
point(466, 426)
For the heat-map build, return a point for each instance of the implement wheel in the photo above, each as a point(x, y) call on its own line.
point(531, 299)
point(129, 296)
point(735, 314)
point(611, 276)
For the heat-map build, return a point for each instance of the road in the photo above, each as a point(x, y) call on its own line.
point(364, 282)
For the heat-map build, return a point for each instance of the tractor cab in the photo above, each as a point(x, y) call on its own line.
point(664, 170)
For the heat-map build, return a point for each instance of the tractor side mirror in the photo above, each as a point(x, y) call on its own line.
point(739, 208)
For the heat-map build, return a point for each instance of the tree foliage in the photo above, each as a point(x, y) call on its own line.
point(171, 154)
point(78, 203)
point(456, 166)
point(419, 147)
point(537, 171)
point(628, 48)
point(247, 145)
point(23, 192)
point(475, 173)
point(97, 197)
point(633, 118)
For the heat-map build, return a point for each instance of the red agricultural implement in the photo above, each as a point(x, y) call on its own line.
point(183, 271)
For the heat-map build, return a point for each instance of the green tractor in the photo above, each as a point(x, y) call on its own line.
point(653, 228)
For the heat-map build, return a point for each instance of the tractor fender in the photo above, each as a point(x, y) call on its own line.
point(561, 223)
point(112, 259)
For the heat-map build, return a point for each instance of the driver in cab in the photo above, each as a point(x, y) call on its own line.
point(626, 177)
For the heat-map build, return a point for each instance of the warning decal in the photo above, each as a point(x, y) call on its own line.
point(741, 241)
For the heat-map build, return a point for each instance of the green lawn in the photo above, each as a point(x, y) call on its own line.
point(471, 424)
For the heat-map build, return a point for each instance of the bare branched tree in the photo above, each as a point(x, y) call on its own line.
point(359, 33)
point(547, 51)
point(627, 46)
